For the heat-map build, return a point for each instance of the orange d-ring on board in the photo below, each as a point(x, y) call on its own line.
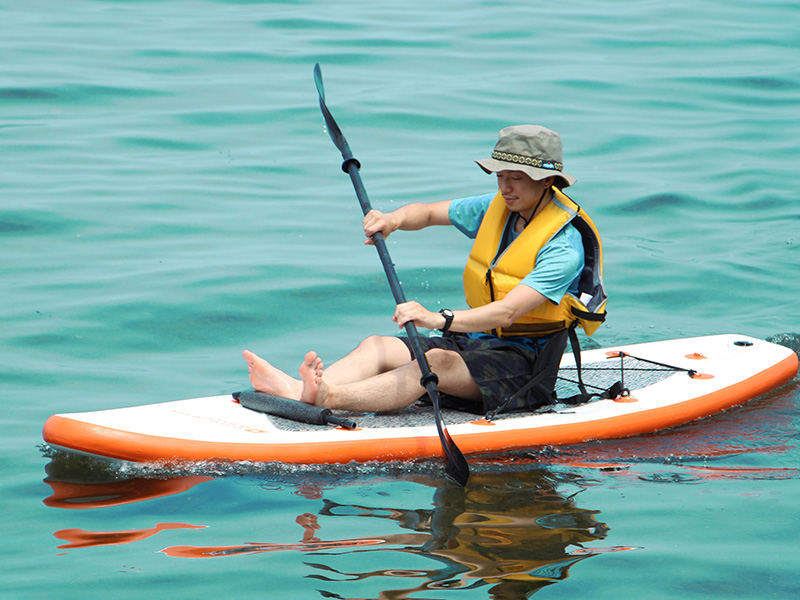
point(484, 422)
point(696, 356)
point(701, 376)
point(624, 399)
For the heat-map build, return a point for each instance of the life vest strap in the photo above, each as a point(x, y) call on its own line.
point(589, 316)
point(533, 329)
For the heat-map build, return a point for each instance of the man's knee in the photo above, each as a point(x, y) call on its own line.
point(442, 359)
point(370, 343)
point(379, 344)
point(454, 376)
point(390, 352)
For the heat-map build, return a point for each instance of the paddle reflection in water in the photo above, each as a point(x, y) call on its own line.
point(514, 531)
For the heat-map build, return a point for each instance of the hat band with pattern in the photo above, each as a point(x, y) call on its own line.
point(527, 160)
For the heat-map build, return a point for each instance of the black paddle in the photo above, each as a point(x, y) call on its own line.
point(457, 468)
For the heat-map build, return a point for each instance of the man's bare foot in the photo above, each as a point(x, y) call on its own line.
point(271, 380)
point(314, 389)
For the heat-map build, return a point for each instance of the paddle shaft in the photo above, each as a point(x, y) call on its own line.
point(429, 379)
point(457, 467)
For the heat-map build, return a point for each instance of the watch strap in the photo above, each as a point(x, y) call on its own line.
point(448, 319)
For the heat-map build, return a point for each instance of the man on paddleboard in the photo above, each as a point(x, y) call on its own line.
point(534, 271)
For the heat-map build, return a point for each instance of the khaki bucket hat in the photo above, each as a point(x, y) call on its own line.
point(532, 149)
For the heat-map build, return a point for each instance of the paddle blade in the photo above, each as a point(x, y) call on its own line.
point(318, 82)
point(456, 466)
point(330, 124)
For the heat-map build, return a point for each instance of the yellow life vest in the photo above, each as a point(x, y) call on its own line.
point(489, 277)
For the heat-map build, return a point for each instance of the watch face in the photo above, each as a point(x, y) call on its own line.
point(447, 312)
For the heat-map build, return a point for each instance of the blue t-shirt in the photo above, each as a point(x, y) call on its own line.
point(558, 264)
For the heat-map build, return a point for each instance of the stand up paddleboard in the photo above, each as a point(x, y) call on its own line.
point(669, 382)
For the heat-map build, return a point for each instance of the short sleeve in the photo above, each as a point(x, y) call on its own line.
point(467, 213)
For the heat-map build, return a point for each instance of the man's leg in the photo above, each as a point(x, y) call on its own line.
point(374, 355)
point(395, 389)
point(379, 375)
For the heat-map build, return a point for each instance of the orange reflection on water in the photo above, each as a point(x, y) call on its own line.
point(69, 491)
point(309, 543)
point(79, 538)
point(513, 532)
point(79, 494)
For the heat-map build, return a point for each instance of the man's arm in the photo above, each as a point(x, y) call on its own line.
point(410, 217)
point(500, 313)
point(557, 266)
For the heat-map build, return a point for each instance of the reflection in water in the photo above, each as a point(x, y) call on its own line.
point(81, 482)
point(515, 532)
point(77, 494)
point(71, 489)
point(78, 538)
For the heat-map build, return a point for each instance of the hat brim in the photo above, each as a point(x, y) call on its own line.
point(492, 165)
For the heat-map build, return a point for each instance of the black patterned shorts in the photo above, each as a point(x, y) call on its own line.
point(499, 369)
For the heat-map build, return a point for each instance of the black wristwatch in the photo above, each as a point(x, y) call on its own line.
point(448, 319)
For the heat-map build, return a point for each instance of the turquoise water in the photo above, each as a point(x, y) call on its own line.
point(170, 197)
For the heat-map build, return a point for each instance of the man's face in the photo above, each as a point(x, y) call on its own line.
point(520, 192)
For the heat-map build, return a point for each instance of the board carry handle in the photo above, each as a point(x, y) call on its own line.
point(294, 410)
